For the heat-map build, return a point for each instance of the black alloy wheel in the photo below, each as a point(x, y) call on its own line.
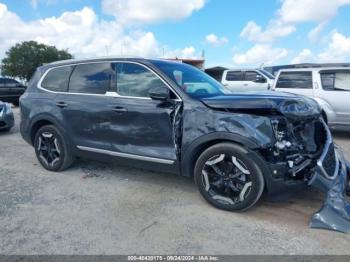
point(51, 149)
point(227, 178)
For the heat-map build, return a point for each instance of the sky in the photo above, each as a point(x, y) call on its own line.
point(231, 33)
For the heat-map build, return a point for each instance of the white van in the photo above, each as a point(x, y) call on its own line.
point(329, 86)
point(247, 80)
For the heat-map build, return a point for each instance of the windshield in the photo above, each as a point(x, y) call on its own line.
point(267, 74)
point(193, 81)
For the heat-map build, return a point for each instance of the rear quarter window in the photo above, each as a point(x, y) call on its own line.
point(57, 79)
point(296, 80)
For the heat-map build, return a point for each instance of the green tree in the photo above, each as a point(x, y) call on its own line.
point(22, 59)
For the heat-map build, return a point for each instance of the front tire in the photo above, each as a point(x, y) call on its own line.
point(51, 149)
point(228, 178)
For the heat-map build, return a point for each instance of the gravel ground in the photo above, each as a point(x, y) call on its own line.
point(99, 208)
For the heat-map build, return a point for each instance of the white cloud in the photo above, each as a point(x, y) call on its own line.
point(315, 32)
point(150, 11)
point(305, 56)
point(216, 41)
point(82, 33)
point(187, 52)
point(296, 11)
point(338, 49)
point(260, 54)
point(275, 29)
point(291, 13)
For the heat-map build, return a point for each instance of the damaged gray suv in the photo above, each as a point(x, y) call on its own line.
point(173, 117)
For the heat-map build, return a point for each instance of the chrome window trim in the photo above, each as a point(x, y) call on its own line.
point(125, 155)
point(108, 93)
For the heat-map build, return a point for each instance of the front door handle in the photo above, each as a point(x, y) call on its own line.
point(61, 104)
point(119, 109)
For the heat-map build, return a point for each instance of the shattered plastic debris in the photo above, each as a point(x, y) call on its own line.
point(335, 212)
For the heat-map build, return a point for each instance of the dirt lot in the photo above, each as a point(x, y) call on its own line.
point(98, 208)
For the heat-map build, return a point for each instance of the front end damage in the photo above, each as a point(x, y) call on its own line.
point(296, 145)
point(306, 151)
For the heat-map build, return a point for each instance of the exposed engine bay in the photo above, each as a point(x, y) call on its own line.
point(298, 146)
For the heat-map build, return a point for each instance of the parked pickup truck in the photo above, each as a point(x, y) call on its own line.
point(247, 80)
point(10, 90)
point(330, 87)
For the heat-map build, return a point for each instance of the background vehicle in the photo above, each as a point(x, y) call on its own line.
point(11, 90)
point(330, 87)
point(6, 117)
point(173, 117)
point(247, 80)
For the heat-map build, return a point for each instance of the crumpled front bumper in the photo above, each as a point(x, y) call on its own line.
point(335, 212)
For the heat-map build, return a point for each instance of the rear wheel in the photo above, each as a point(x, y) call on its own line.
point(227, 178)
point(51, 149)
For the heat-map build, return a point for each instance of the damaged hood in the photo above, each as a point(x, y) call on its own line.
point(292, 106)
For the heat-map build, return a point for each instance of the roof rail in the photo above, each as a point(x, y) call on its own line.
point(93, 58)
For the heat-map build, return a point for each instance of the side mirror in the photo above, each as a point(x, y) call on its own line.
point(260, 79)
point(161, 93)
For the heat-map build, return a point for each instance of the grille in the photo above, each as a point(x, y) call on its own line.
point(2, 124)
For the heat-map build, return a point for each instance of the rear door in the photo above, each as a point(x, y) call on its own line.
point(336, 91)
point(81, 104)
point(298, 82)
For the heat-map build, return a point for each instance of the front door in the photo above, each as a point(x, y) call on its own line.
point(251, 83)
point(141, 126)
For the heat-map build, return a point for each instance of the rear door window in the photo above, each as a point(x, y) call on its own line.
point(295, 80)
point(56, 79)
point(234, 76)
point(91, 78)
point(336, 81)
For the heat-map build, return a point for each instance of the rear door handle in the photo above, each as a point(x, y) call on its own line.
point(119, 109)
point(61, 104)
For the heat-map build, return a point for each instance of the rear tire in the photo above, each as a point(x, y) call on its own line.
point(51, 149)
point(228, 178)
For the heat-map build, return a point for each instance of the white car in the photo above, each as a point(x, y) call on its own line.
point(330, 87)
point(247, 80)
